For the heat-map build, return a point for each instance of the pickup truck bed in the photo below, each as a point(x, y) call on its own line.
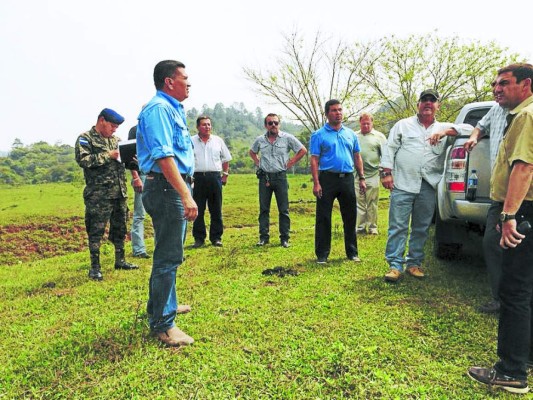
point(456, 216)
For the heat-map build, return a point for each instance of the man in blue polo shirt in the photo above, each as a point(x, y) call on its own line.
point(165, 154)
point(334, 153)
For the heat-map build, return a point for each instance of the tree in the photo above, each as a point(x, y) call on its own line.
point(384, 75)
point(397, 70)
point(305, 78)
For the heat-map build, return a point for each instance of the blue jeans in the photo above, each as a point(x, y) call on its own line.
point(137, 227)
point(404, 207)
point(164, 205)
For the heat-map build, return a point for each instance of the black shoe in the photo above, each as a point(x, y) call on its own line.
point(141, 255)
point(261, 242)
point(491, 377)
point(95, 274)
point(492, 307)
point(217, 243)
point(285, 243)
point(123, 264)
point(197, 244)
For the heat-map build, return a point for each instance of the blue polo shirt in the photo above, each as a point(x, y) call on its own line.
point(334, 149)
point(162, 132)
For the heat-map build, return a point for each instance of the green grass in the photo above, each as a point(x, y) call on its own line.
point(332, 332)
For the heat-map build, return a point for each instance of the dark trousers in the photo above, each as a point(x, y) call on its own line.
point(98, 212)
point(516, 295)
point(208, 190)
point(491, 248)
point(340, 187)
point(274, 183)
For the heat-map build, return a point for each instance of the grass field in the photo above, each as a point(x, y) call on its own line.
point(331, 332)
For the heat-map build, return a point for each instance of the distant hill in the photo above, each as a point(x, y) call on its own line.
point(41, 162)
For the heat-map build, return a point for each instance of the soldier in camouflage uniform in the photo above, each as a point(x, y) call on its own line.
point(105, 191)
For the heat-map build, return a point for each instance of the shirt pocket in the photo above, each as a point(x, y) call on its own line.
point(412, 141)
point(439, 147)
point(181, 137)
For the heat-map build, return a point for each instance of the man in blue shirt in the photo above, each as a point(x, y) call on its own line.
point(334, 152)
point(165, 154)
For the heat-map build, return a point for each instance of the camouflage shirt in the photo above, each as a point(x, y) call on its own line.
point(104, 176)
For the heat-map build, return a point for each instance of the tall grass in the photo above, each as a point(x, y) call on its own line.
point(331, 332)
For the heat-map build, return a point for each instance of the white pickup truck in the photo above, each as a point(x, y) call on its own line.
point(455, 215)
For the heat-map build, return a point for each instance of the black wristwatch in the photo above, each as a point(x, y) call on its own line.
point(504, 217)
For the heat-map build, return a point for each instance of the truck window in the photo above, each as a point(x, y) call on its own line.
point(474, 116)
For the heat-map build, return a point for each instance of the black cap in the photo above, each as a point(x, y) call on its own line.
point(111, 116)
point(429, 92)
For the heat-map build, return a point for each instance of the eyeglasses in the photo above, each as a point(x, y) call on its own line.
point(428, 98)
point(270, 123)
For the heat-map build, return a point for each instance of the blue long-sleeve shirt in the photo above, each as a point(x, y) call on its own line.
point(162, 132)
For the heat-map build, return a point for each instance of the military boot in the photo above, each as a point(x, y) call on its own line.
point(120, 261)
point(95, 271)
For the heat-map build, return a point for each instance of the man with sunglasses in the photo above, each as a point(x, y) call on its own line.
point(105, 192)
point(411, 167)
point(275, 147)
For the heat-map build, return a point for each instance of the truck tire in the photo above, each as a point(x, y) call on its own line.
point(448, 239)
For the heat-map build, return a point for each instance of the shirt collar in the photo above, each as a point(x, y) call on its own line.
point(522, 105)
point(280, 134)
point(328, 127)
point(421, 124)
point(170, 99)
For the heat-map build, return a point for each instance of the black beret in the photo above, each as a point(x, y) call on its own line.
point(111, 116)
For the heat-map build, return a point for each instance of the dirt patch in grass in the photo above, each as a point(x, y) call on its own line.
point(41, 239)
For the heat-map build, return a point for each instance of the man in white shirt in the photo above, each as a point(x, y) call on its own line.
point(412, 166)
point(211, 160)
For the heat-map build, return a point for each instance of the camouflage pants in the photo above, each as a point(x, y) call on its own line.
point(97, 213)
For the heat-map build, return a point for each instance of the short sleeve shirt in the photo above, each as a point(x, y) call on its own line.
point(276, 155)
point(517, 145)
point(335, 149)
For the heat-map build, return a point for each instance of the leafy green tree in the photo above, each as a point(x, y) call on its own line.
point(396, 70)
point(39, 163)
point(384, 76)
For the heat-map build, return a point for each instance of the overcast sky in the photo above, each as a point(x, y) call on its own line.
point(65, 60)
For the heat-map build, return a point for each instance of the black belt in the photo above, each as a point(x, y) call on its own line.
point(274, 174)
point(207, 173)
point(337, 174)
point(158, 176)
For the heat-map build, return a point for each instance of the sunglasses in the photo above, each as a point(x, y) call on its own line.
point(428, 98)
point(270, 123)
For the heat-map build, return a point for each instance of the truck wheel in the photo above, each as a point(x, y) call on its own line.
point(447, 238)
point(448, 251)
